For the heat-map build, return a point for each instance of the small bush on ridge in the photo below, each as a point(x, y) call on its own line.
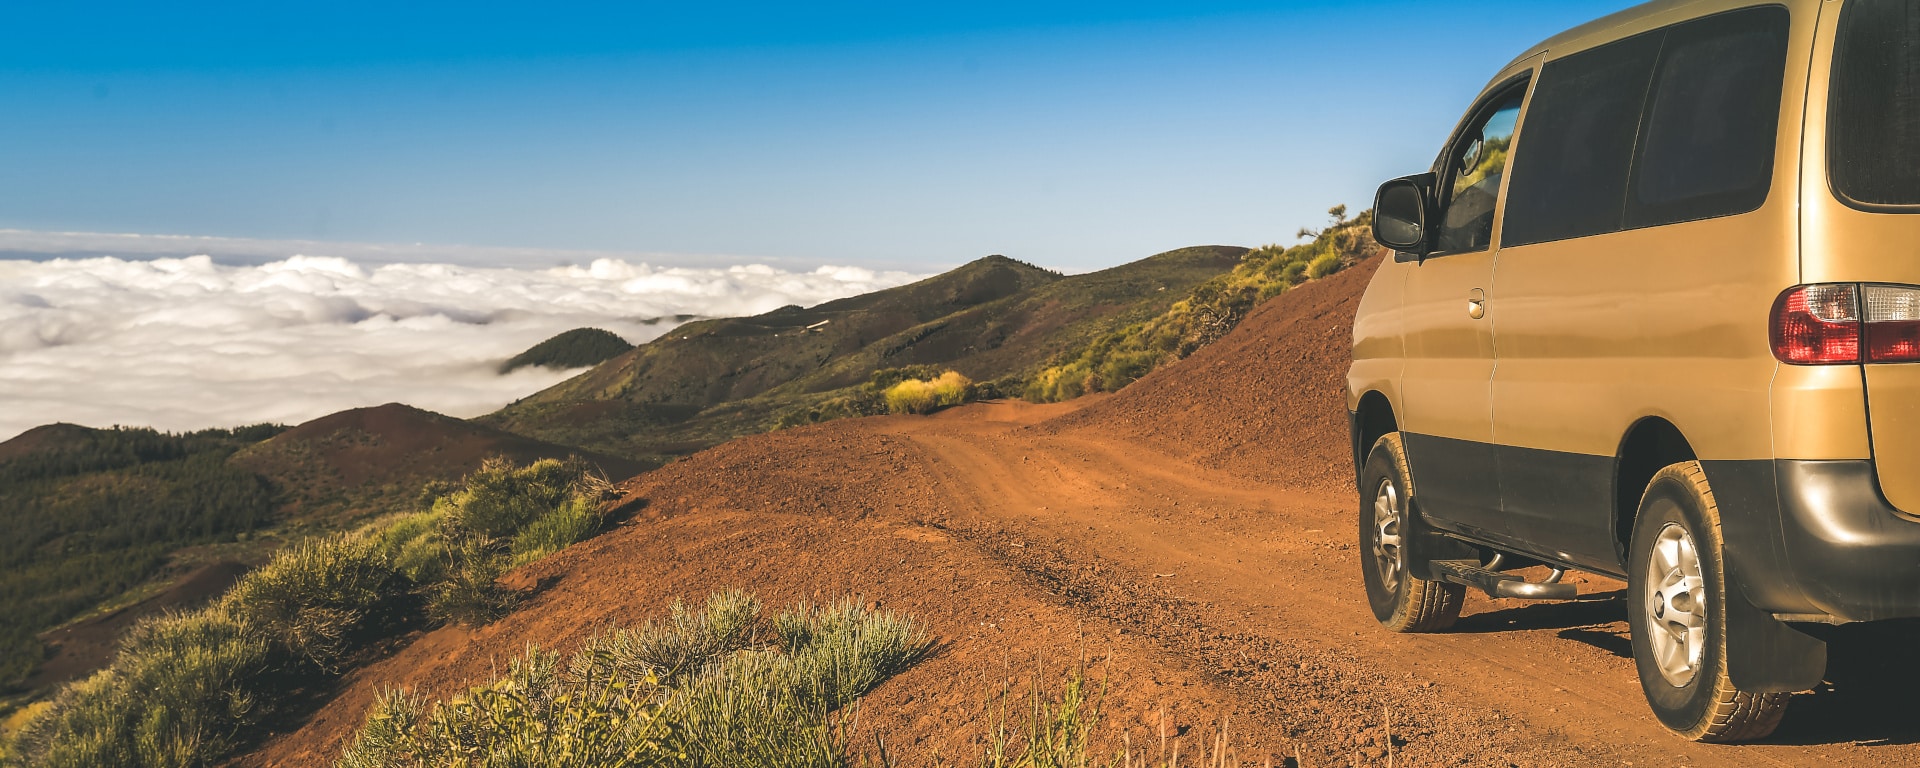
point(926, 396)
point(912, 389)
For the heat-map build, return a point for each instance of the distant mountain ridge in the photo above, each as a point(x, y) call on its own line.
point(367, 460)
point(709, 381)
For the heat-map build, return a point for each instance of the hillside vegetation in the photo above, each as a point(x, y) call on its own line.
point(109, 525)
point(713, 380)
point(186, 689)
point(578, 348)
point(1122, 356)
point(89, 513)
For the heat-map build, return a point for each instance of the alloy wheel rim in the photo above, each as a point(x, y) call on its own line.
point(1387, 553)
point(1676, 608)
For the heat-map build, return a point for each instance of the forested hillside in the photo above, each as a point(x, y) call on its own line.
point(89, 513)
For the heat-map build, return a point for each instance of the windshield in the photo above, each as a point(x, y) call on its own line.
point(1874, 119)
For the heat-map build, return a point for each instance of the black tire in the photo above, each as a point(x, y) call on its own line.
point(1403, 600)
point(1679, 617)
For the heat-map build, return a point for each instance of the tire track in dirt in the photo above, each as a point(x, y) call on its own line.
point(1280, 622)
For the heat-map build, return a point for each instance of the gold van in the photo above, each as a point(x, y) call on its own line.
point(1654, 313)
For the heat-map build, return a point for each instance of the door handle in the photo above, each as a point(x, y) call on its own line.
point(1477, 304)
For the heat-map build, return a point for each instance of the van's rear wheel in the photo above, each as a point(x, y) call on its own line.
point(1403, 600)
point(1677, 610)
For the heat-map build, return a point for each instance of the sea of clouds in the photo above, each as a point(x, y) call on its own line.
point(188, 343)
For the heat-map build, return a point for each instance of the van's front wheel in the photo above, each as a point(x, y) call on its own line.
point(1403, 600)
point(1677, 610)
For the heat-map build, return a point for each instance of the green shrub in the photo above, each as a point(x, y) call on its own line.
point(848, 648)
point(499, 499)
point(469, 592)
point(413, 544)
point(1000, 388)
point(314, 596)
point(689, 640)
point(697, 689)
point(1326, 264)
point(179, 688)
point(502, 516)
point(574, 521)
point(536, 715)
point(1294, 273)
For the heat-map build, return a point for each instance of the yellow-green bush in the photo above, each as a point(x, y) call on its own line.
point(503, 516)
point(702, 688)
point(499, 499)
point(926, 396)
point(174, 694)
point(314, 596)
point(911, 389)
point(413, 543)
point(1211, 310)
point(1325, 264)
point(574, 520)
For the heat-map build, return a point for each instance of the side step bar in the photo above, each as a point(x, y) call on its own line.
point(1497, 584)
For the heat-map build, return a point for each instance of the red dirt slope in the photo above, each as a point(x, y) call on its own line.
point(1193, 530)
point(1264, 401)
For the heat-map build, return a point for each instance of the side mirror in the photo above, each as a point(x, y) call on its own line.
point(1400, 214)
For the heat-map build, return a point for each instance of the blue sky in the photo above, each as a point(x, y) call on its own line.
point(1071, 135)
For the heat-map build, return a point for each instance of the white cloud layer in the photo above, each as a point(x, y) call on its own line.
point(186, 343)
point(41, 244)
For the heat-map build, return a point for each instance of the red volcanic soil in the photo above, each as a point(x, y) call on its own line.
point(359, 459)
point(41, 438)
point(1193, 535)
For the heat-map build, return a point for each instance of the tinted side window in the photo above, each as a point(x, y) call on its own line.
point(1712, 122)
point(1672, 125)
point(1570, 167)
point(1873, 126)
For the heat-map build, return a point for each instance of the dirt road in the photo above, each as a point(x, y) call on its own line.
point(1190, 535)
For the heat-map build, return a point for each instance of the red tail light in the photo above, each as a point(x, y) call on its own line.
point(1817, 325)
point(1839, 323)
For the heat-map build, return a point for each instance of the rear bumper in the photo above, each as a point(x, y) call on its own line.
point(1817, 540)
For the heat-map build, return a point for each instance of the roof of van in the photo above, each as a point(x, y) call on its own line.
point(1625, 23)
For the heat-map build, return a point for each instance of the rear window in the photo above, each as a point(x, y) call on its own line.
point(1873, 124)
point(1672, 125)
